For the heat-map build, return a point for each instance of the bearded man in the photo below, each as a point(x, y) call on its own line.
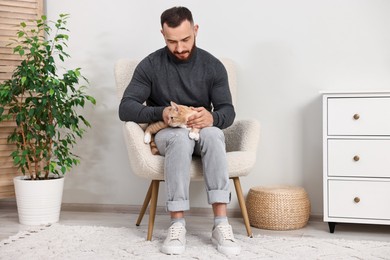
point(188, 75)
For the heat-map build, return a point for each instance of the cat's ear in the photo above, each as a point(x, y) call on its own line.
point(174, 106)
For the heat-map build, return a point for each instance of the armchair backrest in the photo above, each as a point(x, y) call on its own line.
point(124, 69)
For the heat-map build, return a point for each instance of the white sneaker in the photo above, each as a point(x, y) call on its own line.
point(175, 243)
point(223, 238)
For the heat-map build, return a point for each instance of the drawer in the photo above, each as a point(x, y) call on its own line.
point(359, 158)
point(359, 116)
point(359, 199)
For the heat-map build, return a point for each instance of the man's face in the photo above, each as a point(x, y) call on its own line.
point(180, 40)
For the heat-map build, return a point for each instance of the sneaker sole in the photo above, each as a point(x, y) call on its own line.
point(173, 250)
point(226, 250)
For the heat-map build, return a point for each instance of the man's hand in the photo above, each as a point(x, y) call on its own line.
point(201, 119)
point(166, 114)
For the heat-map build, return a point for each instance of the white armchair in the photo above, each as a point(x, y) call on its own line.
point(241, 145)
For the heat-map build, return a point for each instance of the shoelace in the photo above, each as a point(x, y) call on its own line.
point(226, 231)
point(175, 231)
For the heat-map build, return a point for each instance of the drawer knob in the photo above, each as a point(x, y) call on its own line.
point(356, 199)
point(356, 116)
point(356, 158)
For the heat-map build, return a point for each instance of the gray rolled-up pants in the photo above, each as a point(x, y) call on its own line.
point(178, 149)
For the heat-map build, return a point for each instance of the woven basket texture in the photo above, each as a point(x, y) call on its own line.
point(278, 208)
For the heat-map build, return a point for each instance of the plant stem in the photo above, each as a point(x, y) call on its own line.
point(24, 144)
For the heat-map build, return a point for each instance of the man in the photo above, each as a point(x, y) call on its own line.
point(183, 73)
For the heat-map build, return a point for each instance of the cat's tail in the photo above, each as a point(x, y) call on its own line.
point(153, 146)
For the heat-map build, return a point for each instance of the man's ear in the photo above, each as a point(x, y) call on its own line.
point(196, 27)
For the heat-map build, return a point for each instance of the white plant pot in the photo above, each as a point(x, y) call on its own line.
point(38, 202)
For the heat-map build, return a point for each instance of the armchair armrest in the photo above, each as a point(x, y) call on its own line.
point(243, 135)
point(142, 162)
point(135, 134)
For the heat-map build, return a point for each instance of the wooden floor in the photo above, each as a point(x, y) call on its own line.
point(315, 228)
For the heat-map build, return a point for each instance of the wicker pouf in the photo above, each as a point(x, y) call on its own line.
point(278, 208)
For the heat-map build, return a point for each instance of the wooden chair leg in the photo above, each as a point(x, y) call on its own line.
point(152, 209)
point(241, 201)
point(145, 205)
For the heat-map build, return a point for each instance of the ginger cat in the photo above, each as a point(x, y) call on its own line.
point(178, 117)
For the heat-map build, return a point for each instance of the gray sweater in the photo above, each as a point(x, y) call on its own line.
point(200, 81)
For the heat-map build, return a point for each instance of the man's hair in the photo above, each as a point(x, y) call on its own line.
point(174, 16)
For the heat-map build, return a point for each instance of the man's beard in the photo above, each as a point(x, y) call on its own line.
point(175, 53)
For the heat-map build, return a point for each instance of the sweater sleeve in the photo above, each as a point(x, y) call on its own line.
point(221, 98)
point(132, 106)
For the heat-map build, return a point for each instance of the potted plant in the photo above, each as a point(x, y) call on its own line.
point(45, 105)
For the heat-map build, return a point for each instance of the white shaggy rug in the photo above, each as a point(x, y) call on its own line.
point(91, 242)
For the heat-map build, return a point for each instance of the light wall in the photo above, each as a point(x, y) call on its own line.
point(285, 51)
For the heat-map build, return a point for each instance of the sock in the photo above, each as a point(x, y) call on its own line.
point(175, 220)
point(220, 219)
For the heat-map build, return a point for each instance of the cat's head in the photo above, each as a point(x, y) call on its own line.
point(178, 115)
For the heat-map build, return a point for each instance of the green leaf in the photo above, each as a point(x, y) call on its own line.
point(52, 166)
point(91, 99)
point(17, 160)
point(31, 112)
point(50, 130)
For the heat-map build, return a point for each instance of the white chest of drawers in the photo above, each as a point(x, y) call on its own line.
point(356, 158)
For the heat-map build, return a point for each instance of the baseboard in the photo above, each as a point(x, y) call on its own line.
point(8, 204)
point(134, 209)
point(120, 208)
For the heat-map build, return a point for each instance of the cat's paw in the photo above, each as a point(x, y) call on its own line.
point(147, 138)
point(194, 136)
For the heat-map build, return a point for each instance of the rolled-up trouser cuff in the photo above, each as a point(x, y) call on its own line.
point(181, 205)
point(218, 196)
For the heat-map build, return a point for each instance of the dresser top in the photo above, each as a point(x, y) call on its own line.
point(383, 91)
